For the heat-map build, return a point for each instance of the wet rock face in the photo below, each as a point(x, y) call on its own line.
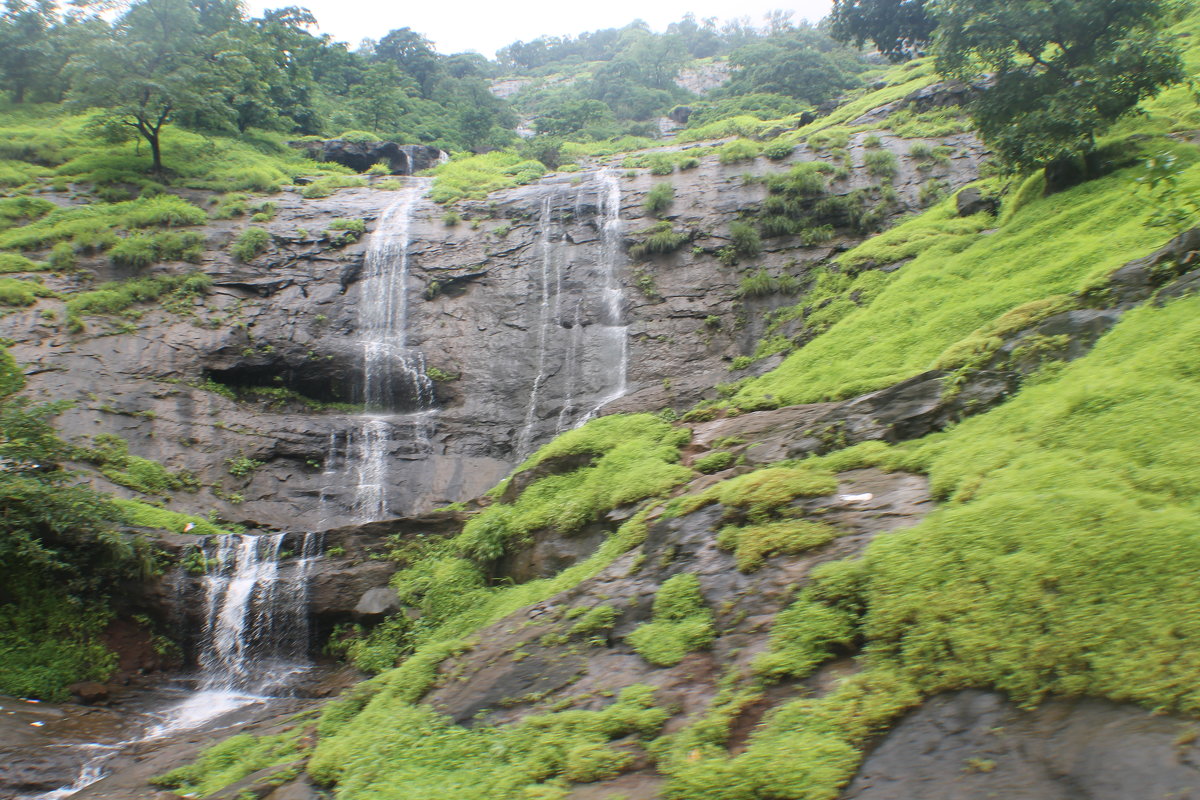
point(508, 308)
point(976, 744)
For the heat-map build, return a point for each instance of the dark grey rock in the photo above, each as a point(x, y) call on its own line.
point(402, 159)
point(976, 744)
point(971, 201)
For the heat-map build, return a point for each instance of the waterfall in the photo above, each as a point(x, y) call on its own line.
point(397, 394)
point(256, 632)
point(254, 641)
point(614, 346)
point(589, 364)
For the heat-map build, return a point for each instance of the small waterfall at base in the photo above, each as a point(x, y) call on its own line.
point(255, 639)
point(396, 392)
point(256, 630)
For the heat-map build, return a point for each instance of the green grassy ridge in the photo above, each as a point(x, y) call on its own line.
point(1063, 562)
point(47, 144)
point(1060, 244)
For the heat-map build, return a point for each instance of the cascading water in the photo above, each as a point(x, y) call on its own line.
point(585, 298)
point(255, 638)
point(396, 392)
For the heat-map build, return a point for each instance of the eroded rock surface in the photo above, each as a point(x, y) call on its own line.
point(976, 744)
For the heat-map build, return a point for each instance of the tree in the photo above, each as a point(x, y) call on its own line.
point(900, 29)
point(801, 63)
point(162, 62)
point(1063, 72)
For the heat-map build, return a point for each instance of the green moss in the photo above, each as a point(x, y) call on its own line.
point(636, 457)
point(148, 516)
point(713, 462)
point(738, 150)
point(753, 544)
point(88, 224)
point(326, 186)
point(406, 752)
point(11, 262)
point(111, 454)
point(681, 623)
point(761, 493)
point(231, 760)
point(113, 298)
point(595, 620)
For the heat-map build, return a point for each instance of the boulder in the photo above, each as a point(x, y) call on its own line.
point(978, 744)
point(89, 692)
point(971, 201)
point(377, 603)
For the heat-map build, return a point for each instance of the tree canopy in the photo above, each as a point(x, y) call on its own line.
point(1061, 72)
point(900, 29)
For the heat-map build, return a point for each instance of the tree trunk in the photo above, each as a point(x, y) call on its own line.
point(155, 152)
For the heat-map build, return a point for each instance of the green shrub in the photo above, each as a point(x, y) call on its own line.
point(324, 187)
point(777, 151)
point(134, 251)
point(762, 284)
point(881, 163)
point(112, 298)
point(250, 243)
point(738, 150)
point(658, 240)
point(872, 142)
point(681, 623)
point(229, 206)
point(23, 209)
point(659, 199)
point(358, 136)
point(16, 292)
point(62, 257)
point(11, 262)
point(745, 239)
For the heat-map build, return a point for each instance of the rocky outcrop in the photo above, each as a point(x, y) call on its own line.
point(401, 159)
point(531, 660)
point(977, 744)
point(505, 307)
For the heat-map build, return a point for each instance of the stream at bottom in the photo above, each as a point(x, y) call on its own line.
point(252, 655)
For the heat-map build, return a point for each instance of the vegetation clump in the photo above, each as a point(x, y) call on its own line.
point(682, 622)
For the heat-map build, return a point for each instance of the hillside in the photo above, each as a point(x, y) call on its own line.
point(814, 455)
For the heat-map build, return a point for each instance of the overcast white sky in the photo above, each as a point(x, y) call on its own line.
point(486, 25)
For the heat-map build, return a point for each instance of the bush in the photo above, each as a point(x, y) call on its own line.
point(659, 199)
point(659, 240)
point(881, 163)
point(15, 292)
point(762, 284)
point(324, 187)
point(250, 243)
point(62, 257)
point(11, 262)
point(737, 150)
point(745, 239)
point(357, 136)
point(777, 151)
